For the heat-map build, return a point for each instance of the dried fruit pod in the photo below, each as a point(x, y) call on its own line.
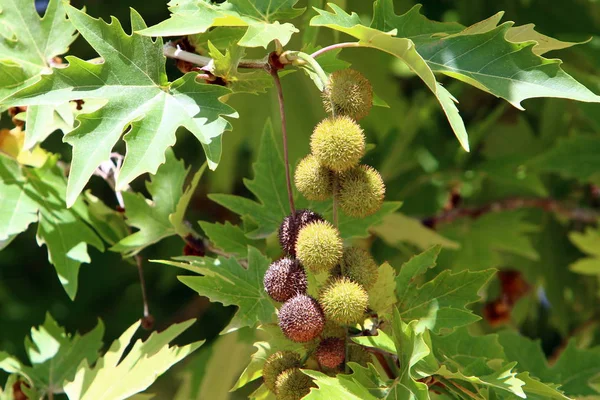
point(331, 352)
point(344, 301)
point(319, 246)
point(276, 364)
point(292, 384)
point(313, 180)
point(301, 318)
point(361, 191)
point(359, 266)
point(291, 225)
point(338, 143)
point(284, 279)
point(348, 93)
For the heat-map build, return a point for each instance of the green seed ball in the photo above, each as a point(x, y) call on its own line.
point(358, 355)
point(344, 301)
point(276, 364)
point(331, 352)
point(338, 143)
point(301, 318)
point(319, 246)
point(359, 266)
point(291, 225)
point(292, 384)
point(313, 180)
point(361, 191)
point(332, 330)
point(348, 93)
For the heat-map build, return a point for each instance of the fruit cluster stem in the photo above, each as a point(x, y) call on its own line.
point(288, 177)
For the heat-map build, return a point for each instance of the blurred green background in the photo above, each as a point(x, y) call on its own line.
point(416, 152)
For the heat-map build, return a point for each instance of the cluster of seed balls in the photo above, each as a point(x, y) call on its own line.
point(311, 242)
point(337, 145)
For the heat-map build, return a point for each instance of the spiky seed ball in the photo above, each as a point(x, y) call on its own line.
point(301, 318)
point(276, 364)
point(338, 143)
point(359, 266)
point(313, 180)
point(284, 279)
point(333, 330)
point(291, 225)
point(292, 384)
point(348, 93)
point(358, 355)
point(331, 352)
point(319, 246)
point(361, 191)
point(344, 301)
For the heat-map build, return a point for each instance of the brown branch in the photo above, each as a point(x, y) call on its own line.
point(586, 215)
point(383, 362)
point(558, 351)
point(288, 179)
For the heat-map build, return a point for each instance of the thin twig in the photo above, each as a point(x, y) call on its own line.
point(585, 215)
point(288, 177)
point(139, 261)
point(175, 52)
point(336, 46)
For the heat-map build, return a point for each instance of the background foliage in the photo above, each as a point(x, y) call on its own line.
point(525, 199)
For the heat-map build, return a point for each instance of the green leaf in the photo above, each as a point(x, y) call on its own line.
point(589, 243)
point(115, 377)
point(260, 17)
point(469, 358)
point(227, 282)
point(209, 375)
point(30, 195)
point(226, 67)
point(28, 43)
point(273, 342)
point(417, 265)
point(380, 341)
point(400, 47)
point(340, 387)
point(441, 302)
point(572, 157)
point(152, 220)
point(54, 355)
point(398, 228)
point(575, 369)
point(382, 295)
point(177, 217)
point(485, 239)
point(108, 223)
point(133, 82)
point(268, 186)
point(229, 238)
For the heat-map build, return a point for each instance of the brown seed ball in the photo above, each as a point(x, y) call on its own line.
point(301, 318)
point(276, 364)
point(331, 352)
point(313, 180)
point(359, 266)
point(319, 246)
point(348, 93)
point(284, 279)
point(291, 225)
point(338, 143)
point(361, 191)
point(292, 384)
